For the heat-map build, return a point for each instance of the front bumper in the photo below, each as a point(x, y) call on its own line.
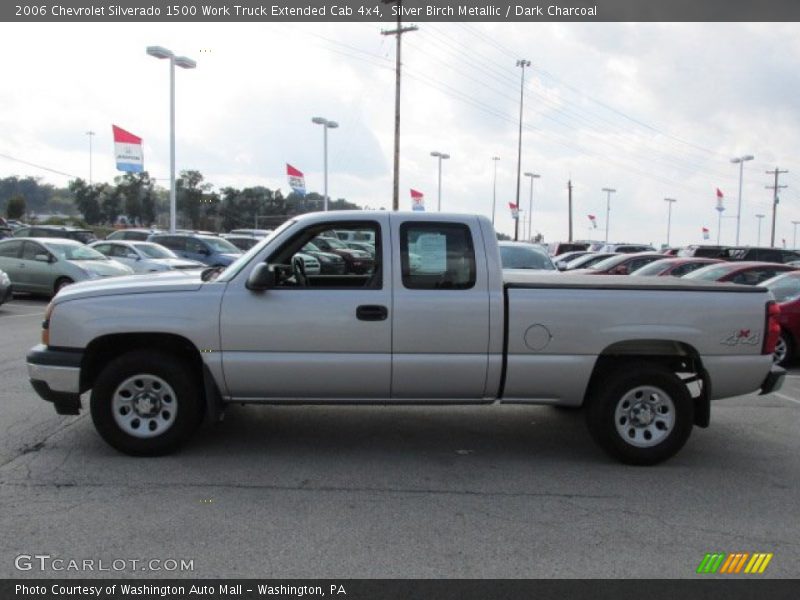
point(55, 374)
point(773, 381)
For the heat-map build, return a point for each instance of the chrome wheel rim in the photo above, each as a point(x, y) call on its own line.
point(144, 406)
point(780, 350)
point(644, 416)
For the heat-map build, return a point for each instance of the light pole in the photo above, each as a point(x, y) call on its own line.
point(441, 156)
point(608, 192)
point(670, 202)
point(794, 234)
point(494, 188)
point(91, 134)
point(183, 63)
point(759, 217)
point(530, 203)
point(520, 63)
point(326, 124)
point(740, 160)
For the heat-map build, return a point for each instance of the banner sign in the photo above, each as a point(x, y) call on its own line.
point(417, 200)
point(593, 220)
point(514, 210)
point(296, 180)
point(720, 198)
point(705, 233)
point(128, 151)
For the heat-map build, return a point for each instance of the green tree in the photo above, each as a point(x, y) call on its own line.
point(15, 208)
point(190, 190)
point(87, 200)
point(137, 195)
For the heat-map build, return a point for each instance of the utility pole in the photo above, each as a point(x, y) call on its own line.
point(399, 34)
point(569, 200)
point(775, 187)
point(91, 135)
point(759, 217)
point(670, 202)
point(494, 189)
point(608, 192)
point(520, 63)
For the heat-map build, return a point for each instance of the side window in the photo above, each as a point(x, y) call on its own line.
point(10, 249)
point(310, 260)
point(30, 250)
point(682, 270)
point(22, 232)
point(103, 248)
point(437, 256)
point(195, 246)
point(119, 251)
point(172, 242)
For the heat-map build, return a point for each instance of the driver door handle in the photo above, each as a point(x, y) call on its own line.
point(372, 312)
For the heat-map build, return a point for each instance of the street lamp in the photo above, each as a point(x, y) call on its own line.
point(520, 63)
point(530, 203)
point(91, 135)
point(759, 217)
point(740, 161)
point(608, 192)
point(494, 188)
point(441, 156)
point(670, 202)
point(183, 63)
point(794, 234)
point(326, 124)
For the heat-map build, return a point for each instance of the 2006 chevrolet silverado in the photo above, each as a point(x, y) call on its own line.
point(644, 359)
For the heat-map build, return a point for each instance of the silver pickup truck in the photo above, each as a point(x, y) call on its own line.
point(643, 358)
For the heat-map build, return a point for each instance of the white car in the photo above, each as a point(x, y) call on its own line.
point(144, 257)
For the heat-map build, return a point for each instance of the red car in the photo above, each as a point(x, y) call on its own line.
point(620, 264)
point(786, 289)
point(674, 267)
point(747, 273)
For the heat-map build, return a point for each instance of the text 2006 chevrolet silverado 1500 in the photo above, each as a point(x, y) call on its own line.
point(432, 322)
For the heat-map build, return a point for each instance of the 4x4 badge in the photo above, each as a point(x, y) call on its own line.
point(743, 336)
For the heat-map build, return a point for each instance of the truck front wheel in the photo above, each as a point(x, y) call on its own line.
point(146, 403)
point(640, 414)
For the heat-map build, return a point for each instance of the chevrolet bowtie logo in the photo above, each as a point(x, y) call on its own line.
point(734, 563)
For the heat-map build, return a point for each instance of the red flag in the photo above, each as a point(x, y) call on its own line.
point(296, 180)
point(593, 219)
point(417, 200)
point(514, 210)
point(705, 233)
point(720, 194)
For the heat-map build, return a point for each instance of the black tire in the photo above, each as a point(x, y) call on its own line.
point(649, 387)
point(188, 402)
point(788, 356)
point(60, 283)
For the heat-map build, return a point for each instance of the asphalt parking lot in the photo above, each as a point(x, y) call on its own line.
point(392, 492)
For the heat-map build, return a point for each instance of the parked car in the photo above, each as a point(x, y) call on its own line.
point(521, 257)
point(356, 236)
point(670, 251)
point(210, 250)
point(139, 235)
point(587, 260)
point(704, 251)
point(747, 273)
point(556, 248)
point(561, 260)
point(309, 264)
point(259, 233)
point(5, 287)
point(357, 261)
point(365, 246)
point(620, 264)
point(84, 236)
point(241, 241)
point(674, 267)
point(6, 232)
point(144, 257)
point(627, 248)
point(45, 266)
point(330, 264)
point(786, 289)
point(646, 367)
point(776, 255)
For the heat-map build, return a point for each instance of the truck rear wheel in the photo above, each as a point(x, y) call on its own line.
point(641, 414)
point(146, 403)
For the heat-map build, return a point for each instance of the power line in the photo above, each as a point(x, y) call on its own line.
point(30, 164)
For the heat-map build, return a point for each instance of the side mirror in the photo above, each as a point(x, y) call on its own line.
point(42, 258)
point(261, 278)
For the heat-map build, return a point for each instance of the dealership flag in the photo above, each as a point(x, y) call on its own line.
point(514, 210)
point(296, 180)
point(705, 233)
point(593, 219)
point(128, 151)
point(417, 200)
point(720, 198)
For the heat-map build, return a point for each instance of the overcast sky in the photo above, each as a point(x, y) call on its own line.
point(652, 110)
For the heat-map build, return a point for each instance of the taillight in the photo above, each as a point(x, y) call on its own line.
point(48, 314)
point(772, 330)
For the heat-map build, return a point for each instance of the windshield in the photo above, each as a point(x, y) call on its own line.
point(654, 268)
point(310, 247)
point(710, 273)
point(220, 245)
point(155, 251)
point(522, 257)
point(76, 252)
point(785, 288)
point(609, 262)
